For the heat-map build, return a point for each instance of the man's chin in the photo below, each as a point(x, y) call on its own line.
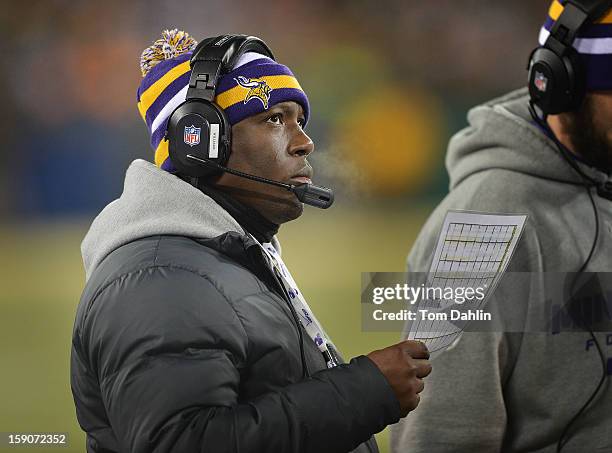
point(288, 210)
point(278, 209)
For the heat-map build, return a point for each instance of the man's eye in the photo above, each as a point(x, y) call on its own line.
point(275, 119)
point(302, 122)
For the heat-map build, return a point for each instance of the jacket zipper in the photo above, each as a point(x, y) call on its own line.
point(305, 370)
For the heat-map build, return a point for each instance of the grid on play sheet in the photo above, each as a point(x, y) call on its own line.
point(472, 256)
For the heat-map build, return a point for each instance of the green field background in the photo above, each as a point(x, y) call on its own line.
point(382, 112)
point(42, 278)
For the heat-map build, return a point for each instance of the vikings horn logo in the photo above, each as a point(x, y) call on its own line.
point(258, 89)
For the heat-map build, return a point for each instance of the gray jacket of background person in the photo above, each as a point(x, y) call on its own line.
point(511, 391)
point(184, 341)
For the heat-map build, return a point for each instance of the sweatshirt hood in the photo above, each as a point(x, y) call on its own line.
point(153, 202)
point(502, 135)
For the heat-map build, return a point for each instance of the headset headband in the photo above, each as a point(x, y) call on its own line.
point(575, 14)
point(217, 55)
point(593, 8)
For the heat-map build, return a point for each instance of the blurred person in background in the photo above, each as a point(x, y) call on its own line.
point(191, 334)
point(547, 154)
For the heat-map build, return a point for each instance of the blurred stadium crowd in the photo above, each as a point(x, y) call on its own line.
point(389, 82)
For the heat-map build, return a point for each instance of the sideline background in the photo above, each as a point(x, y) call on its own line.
point(389, 82)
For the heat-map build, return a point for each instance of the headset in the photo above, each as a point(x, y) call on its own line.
point(210, 59)
point(556, 75)
point(199, 133)
point(556, 81)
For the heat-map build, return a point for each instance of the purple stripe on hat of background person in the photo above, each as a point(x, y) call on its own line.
point(159, 70)
point(598, 72)
point(251, 71)
point(588, 31)
point(240, 110)
point(165, 96)
point(596, 31)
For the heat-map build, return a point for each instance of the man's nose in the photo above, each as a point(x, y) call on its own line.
point(301, 144)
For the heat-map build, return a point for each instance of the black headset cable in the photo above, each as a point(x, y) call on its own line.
point(588, 183)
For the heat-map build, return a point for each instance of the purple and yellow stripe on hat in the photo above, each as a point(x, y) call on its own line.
point(160, 92)
point(253, 86)
point(256, 86)
point(594, 44)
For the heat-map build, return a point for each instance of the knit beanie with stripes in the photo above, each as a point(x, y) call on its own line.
point(255, 84)
point(593, 43)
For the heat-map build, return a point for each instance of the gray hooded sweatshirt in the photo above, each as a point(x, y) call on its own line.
point(498, 391)
point(142, 211)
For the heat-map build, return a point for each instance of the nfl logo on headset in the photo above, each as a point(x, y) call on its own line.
point(540, 82)
point(192, 135)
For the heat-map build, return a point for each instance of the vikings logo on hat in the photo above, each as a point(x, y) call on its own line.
point(540, 82)
point(191, 136)
point(258, 89)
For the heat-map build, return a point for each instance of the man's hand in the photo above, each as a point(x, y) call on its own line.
point(404, 365)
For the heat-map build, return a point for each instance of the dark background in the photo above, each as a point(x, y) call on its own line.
point(389, 82)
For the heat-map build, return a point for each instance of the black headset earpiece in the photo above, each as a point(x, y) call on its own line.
point(202, 129)
point(557, 77)
point(199, 126)
point(556, 83)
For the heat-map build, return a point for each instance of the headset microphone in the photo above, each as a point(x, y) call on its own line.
point(317, 196)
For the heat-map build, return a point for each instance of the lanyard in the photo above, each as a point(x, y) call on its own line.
point(307, 319)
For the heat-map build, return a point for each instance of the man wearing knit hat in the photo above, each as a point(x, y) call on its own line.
point(547, 154)
point(191, 334)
